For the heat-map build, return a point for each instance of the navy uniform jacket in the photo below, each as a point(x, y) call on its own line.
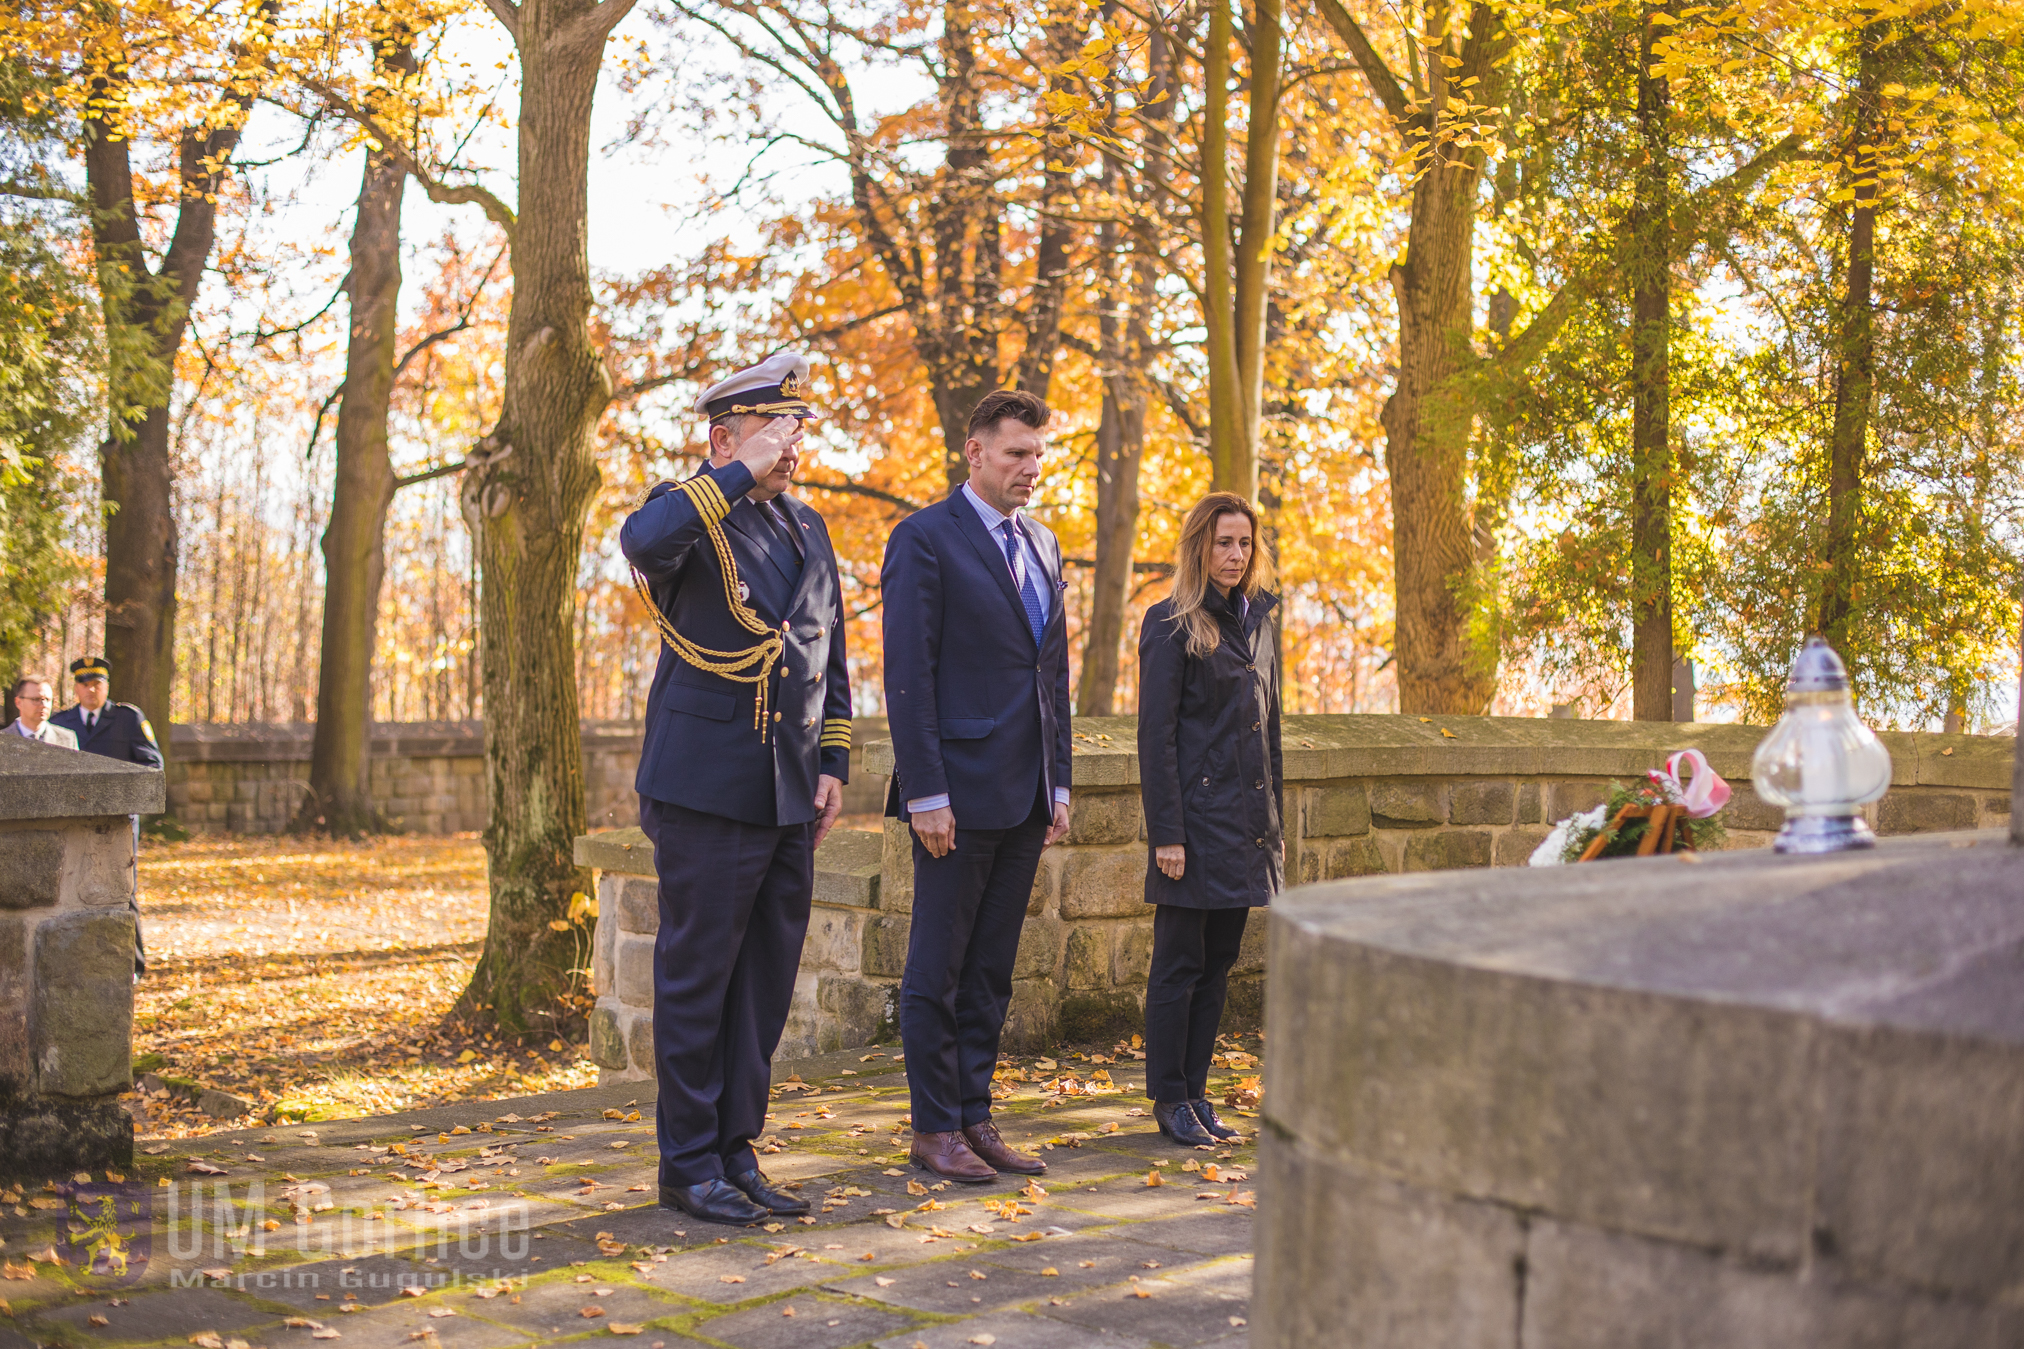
point(976, 710)
point(700, 749)
point(122, 733)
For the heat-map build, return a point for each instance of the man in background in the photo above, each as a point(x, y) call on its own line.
point(32, 697)
point(118, 731)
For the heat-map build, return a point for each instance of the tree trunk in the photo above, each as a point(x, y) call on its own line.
point(1855, 373)
point(965, 228)
point(1253, 279)
point(354, 555)
point(1429, 417)
point(2017, 776)
point(1219, 301)
point(1651, 544)
point(1120, 434)
point(527, 503)
point(1120, 445)
point(147, 312)
point(1055, 249)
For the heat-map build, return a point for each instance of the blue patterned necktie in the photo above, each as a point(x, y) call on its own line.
point(1036, 613)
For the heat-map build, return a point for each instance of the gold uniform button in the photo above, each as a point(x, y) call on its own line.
point(776, 716)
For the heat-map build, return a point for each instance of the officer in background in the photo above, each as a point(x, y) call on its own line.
point(746, 751)
point(118, 731)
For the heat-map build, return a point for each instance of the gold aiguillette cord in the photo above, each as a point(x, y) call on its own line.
point(752, 665)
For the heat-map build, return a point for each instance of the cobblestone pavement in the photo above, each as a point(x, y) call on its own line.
point(534, 1221)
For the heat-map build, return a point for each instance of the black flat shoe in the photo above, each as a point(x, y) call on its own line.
point(761, 1192)
point(1206, 1113)
point(714, 1201)
point(1178, 1122)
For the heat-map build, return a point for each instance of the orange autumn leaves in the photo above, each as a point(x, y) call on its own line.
point(312, 978)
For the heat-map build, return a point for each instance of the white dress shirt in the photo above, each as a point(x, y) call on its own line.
point(994, 522)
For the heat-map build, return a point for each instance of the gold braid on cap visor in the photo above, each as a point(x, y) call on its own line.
point(791, 407)
point(753, 665)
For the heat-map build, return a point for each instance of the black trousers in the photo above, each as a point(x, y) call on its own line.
point(969, 908)
point(1193, 950)
point(734, 911)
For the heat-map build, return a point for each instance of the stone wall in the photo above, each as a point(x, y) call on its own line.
point(66, 955)
point(1364, 795)
point(1760, 1102)
point(428, 777)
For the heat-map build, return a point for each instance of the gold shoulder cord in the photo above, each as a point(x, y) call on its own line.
point(738, 666)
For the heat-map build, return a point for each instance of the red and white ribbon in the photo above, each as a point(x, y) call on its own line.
point(1703, 794)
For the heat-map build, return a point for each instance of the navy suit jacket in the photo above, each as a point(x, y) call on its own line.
point(700, 749)
point(121, 733)
point(976, 710)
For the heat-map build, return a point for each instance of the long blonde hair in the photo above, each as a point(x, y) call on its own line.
point(1191, 568)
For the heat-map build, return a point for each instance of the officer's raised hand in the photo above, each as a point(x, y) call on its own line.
point(762, 451)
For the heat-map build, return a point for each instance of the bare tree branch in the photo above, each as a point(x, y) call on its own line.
point(508, 15)
point(858, 489)
point(465, 194)
point(40, 191)
point(439, 471)
point(1708, 208)
point(316, 427)
point(463, 319)
point(1375, 72)
point(1142, 568)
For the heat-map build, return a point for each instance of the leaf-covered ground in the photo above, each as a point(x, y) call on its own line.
point(312, 978)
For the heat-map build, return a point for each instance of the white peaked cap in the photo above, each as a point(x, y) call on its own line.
point(776, 386)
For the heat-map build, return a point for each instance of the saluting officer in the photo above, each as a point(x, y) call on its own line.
point(118, 731)
point(746, 751)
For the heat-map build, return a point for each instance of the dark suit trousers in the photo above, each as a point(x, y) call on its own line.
point(734, 911)
point(1193, 950)
point(968, 911)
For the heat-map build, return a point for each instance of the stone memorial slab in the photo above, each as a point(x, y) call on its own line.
point(1787, 1091)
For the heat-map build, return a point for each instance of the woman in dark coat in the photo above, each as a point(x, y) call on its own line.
point(1208, 743)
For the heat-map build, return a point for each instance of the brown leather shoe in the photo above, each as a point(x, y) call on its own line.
point(948, 1156)
point(985, 1142)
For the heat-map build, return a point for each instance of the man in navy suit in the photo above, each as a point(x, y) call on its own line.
point(976, 682)
point(741, 774)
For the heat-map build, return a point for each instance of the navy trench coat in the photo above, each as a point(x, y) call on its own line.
point(1210, 770)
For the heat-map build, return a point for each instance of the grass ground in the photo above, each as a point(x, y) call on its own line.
point(312, 978)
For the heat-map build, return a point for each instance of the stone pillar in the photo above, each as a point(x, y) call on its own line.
point(66, 955)
point(1746, 1100)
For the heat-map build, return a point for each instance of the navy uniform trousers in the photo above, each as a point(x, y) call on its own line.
point(734, 910)
point(969, 908)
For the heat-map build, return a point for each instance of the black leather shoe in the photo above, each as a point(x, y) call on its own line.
point(761, 1192)
point(1205, 1111)
point(1178, 1122)
point(714, 1201)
